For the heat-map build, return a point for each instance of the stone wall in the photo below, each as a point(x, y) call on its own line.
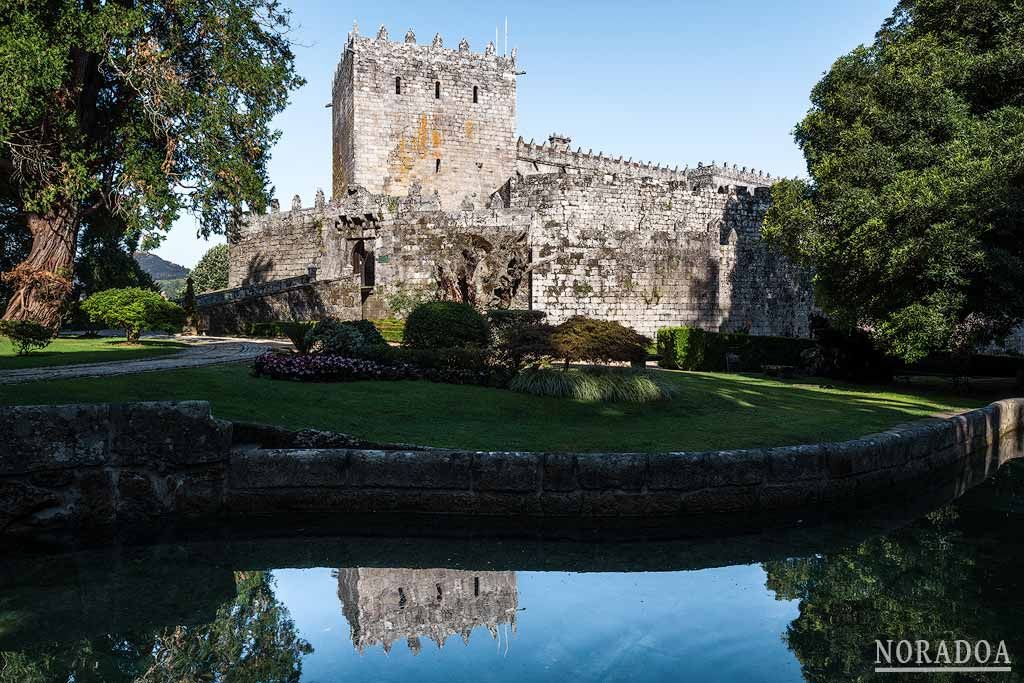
point(300, 298)
point(94, 466)
point(405, 113)
point(274, 246)
point(69, 468)
point(652, 254)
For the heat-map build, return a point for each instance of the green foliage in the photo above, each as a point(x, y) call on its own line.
point(691, 348)
point(404, 298)
point(847, 354)
point(597, 341)
point(350, 338)
point(391, 329)
point(212, 270)
point(913, 217)
point(146, 109)
point(590, 384)
point(250, 639)
point(445, 324)
point(502, 320)
point(133, 310)
point(524, 345)
point(26, 336)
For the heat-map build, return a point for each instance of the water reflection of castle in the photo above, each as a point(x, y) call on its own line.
point(385, 605)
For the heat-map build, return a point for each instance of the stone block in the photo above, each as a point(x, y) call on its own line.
point(506, 471)
point(410, 469)
point(737, 468)
point(559, 472)
point(611, 471)
point(677, 471)
point(795, 463)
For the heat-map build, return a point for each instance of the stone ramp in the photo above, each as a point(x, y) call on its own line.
point(202, 351)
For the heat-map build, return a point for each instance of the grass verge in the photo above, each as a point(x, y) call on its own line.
point(708, 410)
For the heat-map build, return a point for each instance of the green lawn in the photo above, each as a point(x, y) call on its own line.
point(75, 351)
point(711, 411)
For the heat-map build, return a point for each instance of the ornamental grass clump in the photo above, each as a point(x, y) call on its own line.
point(592, 385)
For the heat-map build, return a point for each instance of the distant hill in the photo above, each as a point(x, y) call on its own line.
point(158, 268)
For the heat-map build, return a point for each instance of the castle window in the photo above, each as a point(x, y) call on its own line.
point(401, 599)
point(398, 85)
point(438, 587)
point(476, 94)
point(437, 90)
point(476, 579)
point(437, 166)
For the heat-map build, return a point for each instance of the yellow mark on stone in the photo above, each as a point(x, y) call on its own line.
point(469, 130)
point(421, 137)
point(436, 139)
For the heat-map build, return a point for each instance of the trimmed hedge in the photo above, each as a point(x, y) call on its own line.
point(691, 348)
point(445, 324)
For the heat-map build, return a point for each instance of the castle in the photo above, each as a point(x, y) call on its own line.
point(383, 606)
point(433, 192)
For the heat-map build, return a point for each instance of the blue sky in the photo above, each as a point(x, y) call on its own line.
point(675, 83)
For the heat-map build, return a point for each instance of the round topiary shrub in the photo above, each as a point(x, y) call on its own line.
point(350, 338)
point(134, 310)
point(445, 324)
point(597, 341)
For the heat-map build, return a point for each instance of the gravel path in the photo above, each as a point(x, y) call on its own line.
point(201, 351)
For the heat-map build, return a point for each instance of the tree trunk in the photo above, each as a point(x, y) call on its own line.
point(42, 282)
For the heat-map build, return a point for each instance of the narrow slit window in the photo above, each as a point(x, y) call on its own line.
point(438, 587)
point(476, 94)
point(476, 586)
point(398, 85)
point(401, 599)
point(437, 166)
point(437, 90)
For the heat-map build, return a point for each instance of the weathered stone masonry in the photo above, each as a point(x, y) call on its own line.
point(427, 170)
point(99, 467)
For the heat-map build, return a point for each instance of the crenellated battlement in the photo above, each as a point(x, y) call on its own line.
point(556, 155)
point(383, 47)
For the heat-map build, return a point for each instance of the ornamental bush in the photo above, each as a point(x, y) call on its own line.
point(343, 337)
point(445, 324)
point(334, 368)
point(691, 348)
point(134, 310)
point(597, 341)
point(25, 335)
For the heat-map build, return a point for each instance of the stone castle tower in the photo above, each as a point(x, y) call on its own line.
point(433, 192)
point(405, 113)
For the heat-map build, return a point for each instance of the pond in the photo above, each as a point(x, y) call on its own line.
point(801, 604)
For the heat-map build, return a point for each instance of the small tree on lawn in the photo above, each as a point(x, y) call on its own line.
point(212, 270)
point(133, 310)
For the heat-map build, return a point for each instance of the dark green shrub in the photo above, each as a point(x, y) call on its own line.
point(25, 335)
point(591, 384)
point(445, 324)
point(597, 341)
point(343, 337)
point(525, 345)
point(134, 310)
point(503, 320)
point(848, 354)
point(691, 348)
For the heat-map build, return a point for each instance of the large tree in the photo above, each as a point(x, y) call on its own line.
point(138, 108)
point(913, 218)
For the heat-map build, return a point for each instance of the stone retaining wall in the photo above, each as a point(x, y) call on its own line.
point(100, 465)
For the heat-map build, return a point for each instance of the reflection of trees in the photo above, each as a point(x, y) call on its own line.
point(954, 574)
point(251, 640)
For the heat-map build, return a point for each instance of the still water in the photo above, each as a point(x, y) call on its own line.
point(766, 606)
